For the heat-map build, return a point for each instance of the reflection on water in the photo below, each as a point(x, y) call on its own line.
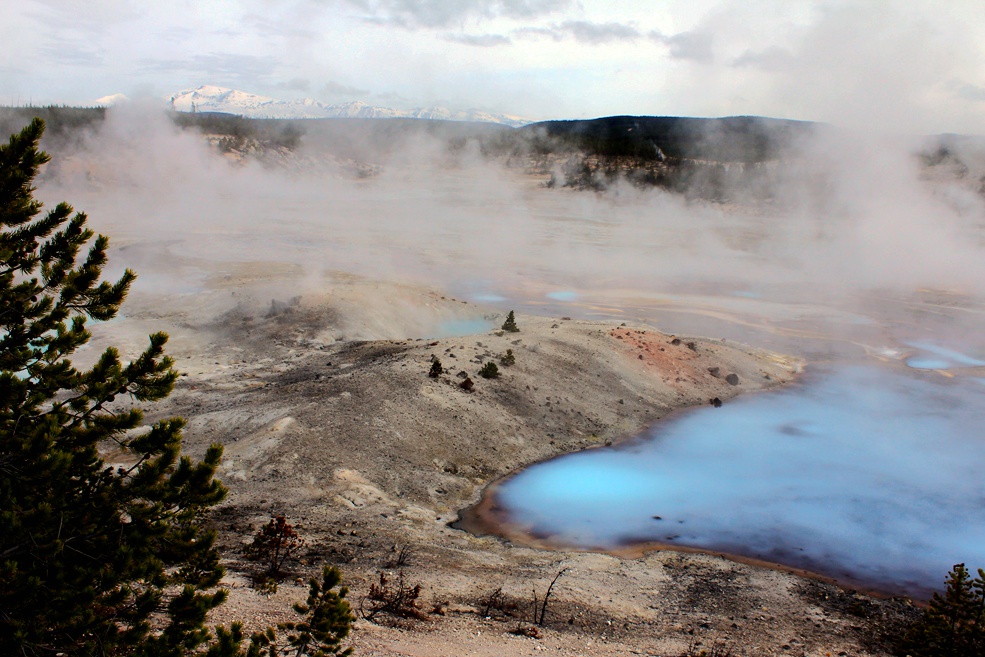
point(862, 473)
point(935, 357)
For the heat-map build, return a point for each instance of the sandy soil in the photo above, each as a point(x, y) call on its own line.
point(328, 416)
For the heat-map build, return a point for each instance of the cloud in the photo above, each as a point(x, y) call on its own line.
point(333, 88)
point(971, 92)
point(295, 84)
point(596, 33)
point(64, 54)
point(695, 46)
point(480, 40)
point(216, 65)
point(583, 31)
point(391, 97)
point(441, 13)
point(769, 59)
point(268, 27)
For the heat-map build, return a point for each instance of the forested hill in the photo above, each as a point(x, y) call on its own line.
point(730, 139)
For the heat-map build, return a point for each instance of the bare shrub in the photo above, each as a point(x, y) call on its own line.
point(402, 554)
point(274, 545)
point(498, 603)
point(396, 598)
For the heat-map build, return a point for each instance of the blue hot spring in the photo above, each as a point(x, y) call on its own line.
point(868, 474)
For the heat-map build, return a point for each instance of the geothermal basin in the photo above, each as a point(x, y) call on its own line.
point(866, 470)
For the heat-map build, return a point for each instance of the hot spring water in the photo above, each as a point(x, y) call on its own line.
point(861, 473)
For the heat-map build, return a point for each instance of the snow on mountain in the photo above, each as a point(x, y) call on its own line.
point(113, 99)
point(208, 98)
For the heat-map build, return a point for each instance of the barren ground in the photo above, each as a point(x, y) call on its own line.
point(328, 416)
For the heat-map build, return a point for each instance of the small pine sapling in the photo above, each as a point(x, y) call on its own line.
point(489, 370)
point(510, 324)
point(508, 359)
point(326, 621)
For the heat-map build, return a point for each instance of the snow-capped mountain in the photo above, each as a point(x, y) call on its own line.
point(229, 101)
point(111, 100)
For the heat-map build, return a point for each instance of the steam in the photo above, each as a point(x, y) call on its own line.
point(850, 212)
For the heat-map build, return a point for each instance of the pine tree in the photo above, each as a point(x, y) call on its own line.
point(953, 624)
point(95, 559)
point(510, 324)
point(489, 370)
point(326, 620)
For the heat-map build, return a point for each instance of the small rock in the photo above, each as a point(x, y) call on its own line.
point(716, 402)
point(733, 379)
point(715, 371)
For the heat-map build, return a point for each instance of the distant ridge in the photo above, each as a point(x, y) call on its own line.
point(207, 98)
point(727, 139)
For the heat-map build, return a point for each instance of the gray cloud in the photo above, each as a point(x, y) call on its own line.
point(333, 88)
point(226, 68)
point(278, 28)
point(442, 13)
point(583, 31)
point(971, 92)
point(295, 84)
point(770, 59)
point(694, 46)
point(596, 33)
point(480, 40)
point(67, 54)
point(391, 97)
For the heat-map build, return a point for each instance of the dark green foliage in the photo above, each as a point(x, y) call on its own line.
point(436, 369)
point(654, 138)
point(274, 544)
point(489, 370)
point(238, 131)
point(326, 620)
point(508, 359)
point(510, 324)
point(90, 552)
point(952, 625)
point(63, 125)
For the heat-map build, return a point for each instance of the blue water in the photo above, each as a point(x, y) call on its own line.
point(488, 297)
point(562, 295)
point(454, 328)
point(939, 358)
point(867, 474)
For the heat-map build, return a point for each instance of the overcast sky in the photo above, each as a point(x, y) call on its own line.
point(905, 65)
